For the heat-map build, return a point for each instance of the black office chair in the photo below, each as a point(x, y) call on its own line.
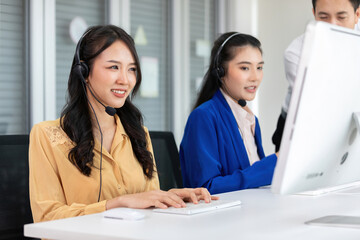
point(167, 160)
point(14, 186)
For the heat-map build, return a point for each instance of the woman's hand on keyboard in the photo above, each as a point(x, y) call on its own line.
point(194, 194)
point(155, 198)
point(161, 199)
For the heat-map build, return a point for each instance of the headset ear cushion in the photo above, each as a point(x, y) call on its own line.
point(218, 72)
point(221, 72)
point(214, 72)
point(84, 69)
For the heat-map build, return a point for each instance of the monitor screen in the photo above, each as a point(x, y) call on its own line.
point(321, 143)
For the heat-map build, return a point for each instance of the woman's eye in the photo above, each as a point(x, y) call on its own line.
point(260, 68)
point(114, 67)
point(132, 69)
point(244, 68)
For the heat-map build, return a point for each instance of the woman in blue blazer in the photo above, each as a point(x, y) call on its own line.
point(221, 148)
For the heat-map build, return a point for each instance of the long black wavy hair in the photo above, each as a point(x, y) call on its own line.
point(211, 82)
point(76, 119)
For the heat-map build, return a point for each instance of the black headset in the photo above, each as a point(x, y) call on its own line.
point(80, 67)
point(219, 71)
point(82, 70)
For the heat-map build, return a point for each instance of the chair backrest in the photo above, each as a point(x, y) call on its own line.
point(14, 186)
point(167, 160)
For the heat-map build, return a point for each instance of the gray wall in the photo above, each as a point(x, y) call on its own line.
point(279, 22)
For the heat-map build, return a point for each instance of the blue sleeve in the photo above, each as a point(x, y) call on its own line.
point(201, 160)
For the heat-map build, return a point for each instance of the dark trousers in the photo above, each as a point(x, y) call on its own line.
point(277, 136)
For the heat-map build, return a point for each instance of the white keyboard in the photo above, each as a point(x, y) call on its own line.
point(201, 207)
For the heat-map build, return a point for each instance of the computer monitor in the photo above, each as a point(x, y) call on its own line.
point(321, 140)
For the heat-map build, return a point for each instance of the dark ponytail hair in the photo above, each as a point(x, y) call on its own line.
point(76, 118)
point(211, 82)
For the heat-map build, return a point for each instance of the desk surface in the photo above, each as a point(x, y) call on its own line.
point(263, 215)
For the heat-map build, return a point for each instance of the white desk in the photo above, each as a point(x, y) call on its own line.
point(263, 215)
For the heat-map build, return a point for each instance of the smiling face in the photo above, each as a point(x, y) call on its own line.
point(244, 73)
point(113, 75)
point(338, 12)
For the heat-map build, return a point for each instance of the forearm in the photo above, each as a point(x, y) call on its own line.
point(259, 174)
point(52, 210)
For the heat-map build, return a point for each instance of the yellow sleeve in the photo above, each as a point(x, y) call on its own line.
point(152, 184)
point(47, 195)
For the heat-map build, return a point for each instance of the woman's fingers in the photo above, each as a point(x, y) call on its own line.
point(203, 194)
point(169, 198)
point(175, 200)
point(172, 198)
point(187, 194)
point(193, 197)
point(206, 195)
point(194, 194)
point(159, 204)
point(214, 198)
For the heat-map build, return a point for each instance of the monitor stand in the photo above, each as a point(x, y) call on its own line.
point(336, 221)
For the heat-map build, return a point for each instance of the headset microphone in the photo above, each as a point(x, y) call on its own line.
point(242, 102)
point(109, 110)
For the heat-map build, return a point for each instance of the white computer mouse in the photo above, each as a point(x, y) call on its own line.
point(124, 214)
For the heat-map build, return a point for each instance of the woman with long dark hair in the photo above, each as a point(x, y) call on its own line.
point(92, 159)
point(221, 147)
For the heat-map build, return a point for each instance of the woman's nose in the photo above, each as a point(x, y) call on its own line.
point(122, 77)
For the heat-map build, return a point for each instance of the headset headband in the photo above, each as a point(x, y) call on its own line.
point(216, 59)
point(77, 51)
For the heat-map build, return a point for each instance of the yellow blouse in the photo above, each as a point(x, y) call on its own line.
point(59, 190)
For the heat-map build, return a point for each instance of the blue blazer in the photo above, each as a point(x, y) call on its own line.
point(213, 154)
